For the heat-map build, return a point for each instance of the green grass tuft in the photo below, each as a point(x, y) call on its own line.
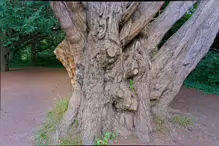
point(159, 123)
point(182, 121)
point(107, 137)
point(43, 136)
point(76, 140)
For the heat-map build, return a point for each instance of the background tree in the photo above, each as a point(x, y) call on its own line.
point(109, 43)
point(27, 24)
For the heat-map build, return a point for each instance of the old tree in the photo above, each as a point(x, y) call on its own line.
point(108, 44)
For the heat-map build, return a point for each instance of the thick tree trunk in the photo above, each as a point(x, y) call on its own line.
point(104, 48)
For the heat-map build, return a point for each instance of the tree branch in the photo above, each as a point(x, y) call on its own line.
point(47, 48)
point(182, 52)
point(26, 38)
point(159, 27)
point(128, 12)
point(147, 12)
point(72, 18)
point(33, 39)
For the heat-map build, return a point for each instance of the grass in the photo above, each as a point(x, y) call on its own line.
point(207, 89)
point(182, 121)
point(159, 123)
point(52, 119)
point(76, 140)
point(43, 135)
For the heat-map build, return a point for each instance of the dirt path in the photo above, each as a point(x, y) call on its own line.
point(204, 111)
point(27, 94)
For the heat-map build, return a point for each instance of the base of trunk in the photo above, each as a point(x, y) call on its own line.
point(4, 68)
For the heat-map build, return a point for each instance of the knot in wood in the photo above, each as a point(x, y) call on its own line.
point(120, 93)
point(132, 73)
point(111, 51)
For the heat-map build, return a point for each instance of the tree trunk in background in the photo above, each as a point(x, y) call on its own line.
point(4, 59)
point(33, 53)
point(109, 43)
point(4, 54)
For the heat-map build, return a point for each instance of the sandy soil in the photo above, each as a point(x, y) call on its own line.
point(204, 111)
point(27, 94)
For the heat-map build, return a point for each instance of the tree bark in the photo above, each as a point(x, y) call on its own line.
point(109, 43)
point(4, 59)
point(181, 53)
point(33, 53)
point(4, 55)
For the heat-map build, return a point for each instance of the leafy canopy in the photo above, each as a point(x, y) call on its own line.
point(19, 19)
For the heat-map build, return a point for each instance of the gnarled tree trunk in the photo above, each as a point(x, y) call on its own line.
point(109, 43)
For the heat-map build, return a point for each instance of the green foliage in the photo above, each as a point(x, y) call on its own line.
point(175, 27)
point(70, 141)
point(178, 24)
point(23, 23)
point(202, 87)
point(43, 59)
point(43, 136)
point(131, 82)
point(27, 16)
point(107, 136)
point(205, 76)
point(182, 121)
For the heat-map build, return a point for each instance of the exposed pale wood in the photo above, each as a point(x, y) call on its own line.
point(63, 54)
point(72, 17)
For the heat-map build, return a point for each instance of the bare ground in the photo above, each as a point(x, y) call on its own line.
point(27, 94)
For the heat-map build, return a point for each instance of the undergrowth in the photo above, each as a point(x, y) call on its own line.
point(107, 137)
point(160, 125)
point(205, 76)
point(43, 59)
point(52, 119)
point(182, 121)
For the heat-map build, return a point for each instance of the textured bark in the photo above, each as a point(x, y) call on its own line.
point(182, 52)
point(4, 54)
point(159, 27)
point(109, 43)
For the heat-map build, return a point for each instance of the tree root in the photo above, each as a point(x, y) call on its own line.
point(69, 117)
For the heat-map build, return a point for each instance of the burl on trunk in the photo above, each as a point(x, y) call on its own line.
point(108, 44)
